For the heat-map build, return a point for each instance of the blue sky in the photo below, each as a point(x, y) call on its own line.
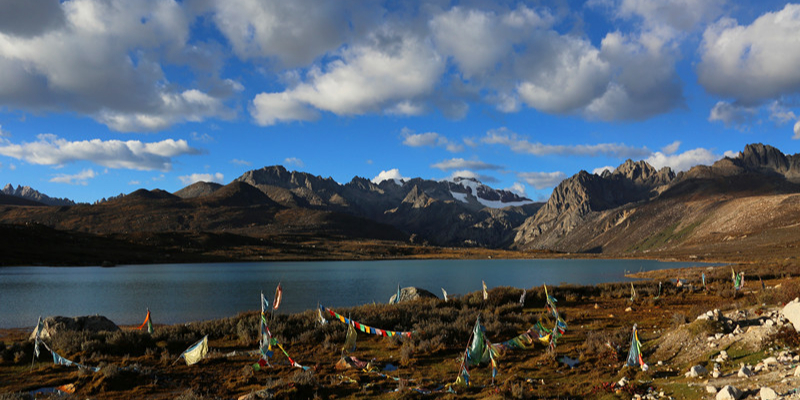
point(99, 97)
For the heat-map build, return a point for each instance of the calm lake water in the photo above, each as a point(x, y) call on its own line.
point(177, 293)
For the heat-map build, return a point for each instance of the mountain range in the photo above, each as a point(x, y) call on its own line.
point(727, 210)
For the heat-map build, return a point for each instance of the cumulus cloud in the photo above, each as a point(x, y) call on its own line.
point(392, 174)
point(132, 154)
point(294, 161)
point(30, 18)
point(542, 180)
point(292, 32)
point(796, 130)
point(460, 163)
point(733, 115)
point(104, 60)
point(674, 15)
point(519, 144)
point(429, 139)
point(193, 178)
point(683, 161)
point(388, 69)
point(517, 188)
point(599, 171)
point(671, 148)
point(752, 63)
point(81, 178)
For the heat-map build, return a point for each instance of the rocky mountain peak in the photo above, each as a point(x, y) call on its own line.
point(765, 158)
point(27, 192)
point(583, 193)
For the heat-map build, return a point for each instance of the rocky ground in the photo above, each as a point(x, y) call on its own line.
point(698, 344)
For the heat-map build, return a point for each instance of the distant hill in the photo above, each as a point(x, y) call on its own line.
point(740, 206)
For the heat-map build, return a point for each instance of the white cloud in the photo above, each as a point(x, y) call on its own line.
point(645, 82)
point(796, 130)
point(292, 32)
point(202, 137)
point(294, 161)
point(134, 182)
point(542, 180)
point(780, 114)
point(517, 188)
point(392, 174)
point(683, 161)
point(390, 68)
point(271, 108)
point(3, 133)
point(752, 63)
point(519, 144)
point(676, 15)
point(190, 179)
point(241, 162)
point(430, 139)
point(671, 148)
point(599, 171)
point(460, 163)
point(103, 59)
point(732, 115)
point(81, 178)
point(131, 154)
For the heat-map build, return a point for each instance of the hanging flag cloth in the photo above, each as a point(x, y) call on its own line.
point(147, 323)
point(196, 352)
point(635, 353)
point(278, 296)
point(362, 327)
point(59, 360)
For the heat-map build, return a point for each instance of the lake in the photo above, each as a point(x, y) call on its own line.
point(177, 293)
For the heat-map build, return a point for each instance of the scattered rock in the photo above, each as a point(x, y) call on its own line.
point(792, 312)
point(91, 323)
point(412, 293)
point(622, 382)
point(745, 372)
point(767, 394)
point(728, 392)
point(711, 389)
point(696, 371)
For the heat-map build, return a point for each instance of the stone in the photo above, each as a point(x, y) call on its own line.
point(628, 309)
point(797, 371)
point(711, 389)
point(622, 382)
point(745, 372)
point(91, 323)
point(412, 293)
point(716, 374)
point(696, 371)
point(791, 312)
point(770, 361)
point(767, 394)
point(728, 392)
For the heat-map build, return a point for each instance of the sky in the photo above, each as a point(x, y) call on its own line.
point(102, 97)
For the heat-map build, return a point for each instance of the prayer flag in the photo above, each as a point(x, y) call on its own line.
point(522, 298)
point(196, 352)
point(444, 292)
point(147, 323)
point(278, 296)
point(39, 327)
point(485, 293)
